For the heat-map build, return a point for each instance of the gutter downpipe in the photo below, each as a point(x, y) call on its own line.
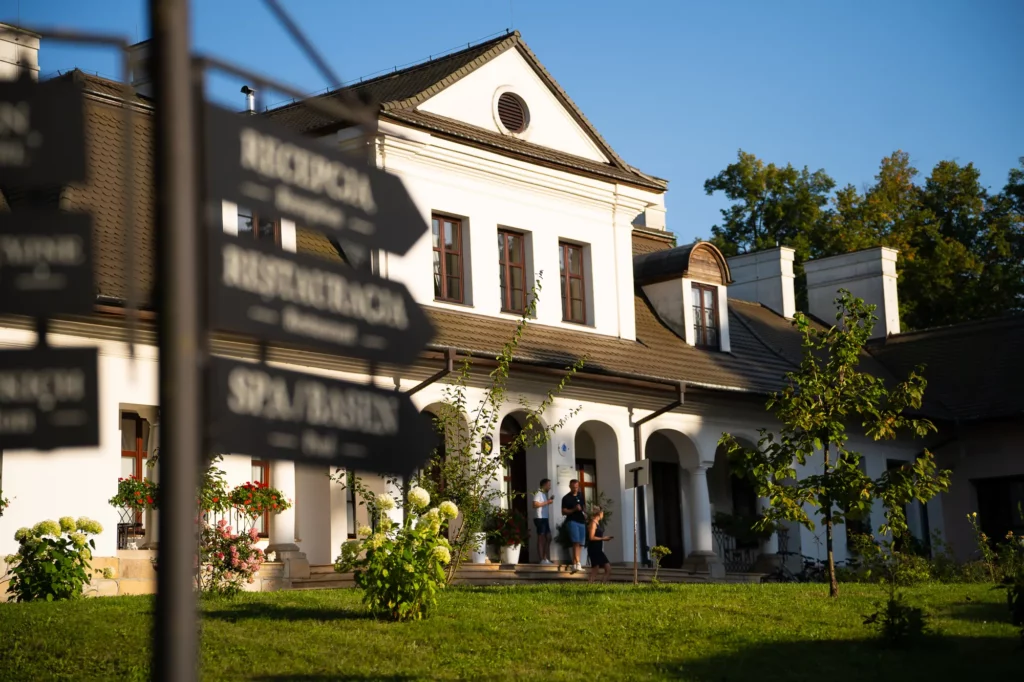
point(449, 367)
point(639, 501)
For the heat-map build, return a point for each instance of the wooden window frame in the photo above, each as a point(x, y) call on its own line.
point(581, 478)
point(564, 248)
point(139, 455)
point(255, 218)
point(442, 251)
point(507, 266)
point(265, 465)
point(699, 328)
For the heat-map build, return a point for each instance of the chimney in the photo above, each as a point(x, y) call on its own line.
point(765, 277)
point(250, 99)
point(868, 274)
point(19, 53)
point(138, 58)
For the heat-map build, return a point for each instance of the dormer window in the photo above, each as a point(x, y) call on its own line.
point(705, 316)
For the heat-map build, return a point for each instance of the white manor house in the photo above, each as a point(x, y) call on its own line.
point(515, 182)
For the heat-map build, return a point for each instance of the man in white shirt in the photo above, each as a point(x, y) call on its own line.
point(541, 520)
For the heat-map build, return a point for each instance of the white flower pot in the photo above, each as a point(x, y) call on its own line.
point(478, 554)
point(510, 555)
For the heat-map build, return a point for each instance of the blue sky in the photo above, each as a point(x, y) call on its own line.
point(676, 87)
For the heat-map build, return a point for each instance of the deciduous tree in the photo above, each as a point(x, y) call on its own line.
point(827, 395)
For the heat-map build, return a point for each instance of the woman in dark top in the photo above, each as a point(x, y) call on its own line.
point(595, 545)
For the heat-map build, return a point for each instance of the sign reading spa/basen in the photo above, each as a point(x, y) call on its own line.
point(268, 412)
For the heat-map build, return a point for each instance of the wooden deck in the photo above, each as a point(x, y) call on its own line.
point(324, 577)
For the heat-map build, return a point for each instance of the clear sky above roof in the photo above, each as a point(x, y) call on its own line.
point(676, 87)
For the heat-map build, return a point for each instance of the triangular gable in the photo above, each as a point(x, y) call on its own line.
point(473, 100)
point(405, 92)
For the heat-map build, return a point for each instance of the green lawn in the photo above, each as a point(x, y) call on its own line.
point(572, 632)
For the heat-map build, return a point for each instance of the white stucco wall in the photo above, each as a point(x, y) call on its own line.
point(488, 192)
point(77, 482)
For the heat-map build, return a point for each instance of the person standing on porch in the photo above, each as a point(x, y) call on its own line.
point(541, 520)
point(595, 545)
point(575, 519)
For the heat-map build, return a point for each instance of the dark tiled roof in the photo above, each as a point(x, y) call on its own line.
point(513, 146)
point(975, 370)
point(657, 352)
point(649, 241)
point(407, 87)
point(663, 264)
point(398, 94)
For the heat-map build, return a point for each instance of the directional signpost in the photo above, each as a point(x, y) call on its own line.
point(49, 397)
point(262, 291)
point(42, 133)
point(273, 413)
point(638, 474)
point(257, 163)
point(46, 263)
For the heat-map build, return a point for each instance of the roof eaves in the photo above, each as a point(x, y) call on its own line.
point(410, 102)
point(564, 96)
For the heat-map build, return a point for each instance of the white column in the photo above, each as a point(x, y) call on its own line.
point(282, 526)
point(339, 516)
point(152, 538)
point(771, 544)
point(700, 529)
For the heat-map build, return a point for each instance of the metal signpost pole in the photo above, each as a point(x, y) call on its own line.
point(635, 547)
point(178, 286)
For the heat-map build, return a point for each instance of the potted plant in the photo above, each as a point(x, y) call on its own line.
point(134, 496)
point(4, 502)
point(509, 533)
point(253, 500)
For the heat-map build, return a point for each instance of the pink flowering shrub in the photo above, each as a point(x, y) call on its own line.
point(227, 560)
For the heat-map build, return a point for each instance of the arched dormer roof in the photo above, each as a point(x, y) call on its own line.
point(701, 261)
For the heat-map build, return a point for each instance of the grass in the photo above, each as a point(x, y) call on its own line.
point(767, 633)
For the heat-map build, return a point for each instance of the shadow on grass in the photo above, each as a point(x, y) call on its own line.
point(264, 611)
point(337, 677)
point(935, 658)
point(979, 612)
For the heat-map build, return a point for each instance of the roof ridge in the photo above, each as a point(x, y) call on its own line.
point(953, 329)
point(395, 72)
point(760, 339)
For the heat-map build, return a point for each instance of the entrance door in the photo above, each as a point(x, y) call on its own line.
point(515, 478)
point(668, 520)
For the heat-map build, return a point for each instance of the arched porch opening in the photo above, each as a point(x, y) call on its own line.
point(597, 469)
point(671, 453)
point(524, 468)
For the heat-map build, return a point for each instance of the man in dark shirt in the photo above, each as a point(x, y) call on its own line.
point(576, 521)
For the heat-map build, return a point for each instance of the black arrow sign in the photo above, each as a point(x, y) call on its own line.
point(274, 413)
point(49, 398)
point(42, 133)
point(262, 166)
point(280, 296)
point(46, 263)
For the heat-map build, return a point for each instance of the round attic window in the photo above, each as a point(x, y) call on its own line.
point(512, 112)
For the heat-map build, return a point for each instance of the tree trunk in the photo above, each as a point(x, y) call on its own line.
point(833, 584)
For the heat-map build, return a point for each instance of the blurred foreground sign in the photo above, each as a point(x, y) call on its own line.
point(275, 295)
point(42, 133)
point(49, 398)
point(259, 164)
point(46, 263)
point(273, 413)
